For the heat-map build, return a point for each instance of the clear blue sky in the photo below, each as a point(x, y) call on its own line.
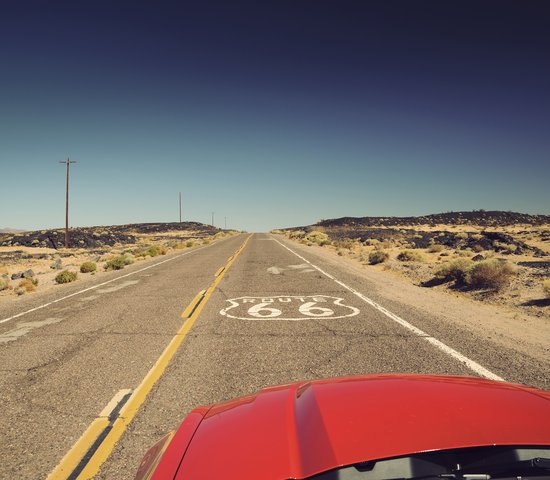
point(272, 114)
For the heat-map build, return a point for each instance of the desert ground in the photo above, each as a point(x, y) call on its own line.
point(442, 251)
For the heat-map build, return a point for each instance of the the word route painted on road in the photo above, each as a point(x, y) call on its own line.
point(288, 307)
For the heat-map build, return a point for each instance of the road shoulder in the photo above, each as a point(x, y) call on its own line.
point(524, 334)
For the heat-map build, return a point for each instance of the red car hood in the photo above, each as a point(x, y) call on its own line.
point(298, 430)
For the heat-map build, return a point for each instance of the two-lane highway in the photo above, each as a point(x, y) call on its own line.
point(271, 312)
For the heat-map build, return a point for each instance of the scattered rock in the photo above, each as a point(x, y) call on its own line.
point(16, 276)
point(478, 258)
point(28, 273)
point(57, 265)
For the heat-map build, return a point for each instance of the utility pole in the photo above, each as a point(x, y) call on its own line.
point(180, 207)
point(212, 218)
point(68, 163)
point(225, 222)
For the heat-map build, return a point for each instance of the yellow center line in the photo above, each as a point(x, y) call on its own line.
point(131, 407)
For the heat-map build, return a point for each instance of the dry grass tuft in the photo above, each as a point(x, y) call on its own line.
point(88, 267)
point(378, 256)
point(492, 274)
point(410, 256)
point(65, 276)
point(319, 238)
point(28, 284)
point(118, 262)
point(455, 270)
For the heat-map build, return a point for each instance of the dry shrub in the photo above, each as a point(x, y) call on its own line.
point(155, 250)
point(28, 284)
point(455, 270)
point(378, 256)
point(492, 274)
point(65, 276)
point(88, 267)
point(296, 234)
point(436, 248)
point(118, 262)
point(317, 237)
point(344, 243)
point(410, 256)
point(189, 243)
point(546, 287)
point(4, 284)
point(372, 242)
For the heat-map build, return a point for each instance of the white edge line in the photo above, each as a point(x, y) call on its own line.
point(474, 366)
point(102, 284)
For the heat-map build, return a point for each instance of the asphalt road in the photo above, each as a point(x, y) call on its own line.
point(276, 314)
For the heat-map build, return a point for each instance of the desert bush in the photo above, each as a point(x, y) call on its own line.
point(118, 262)
point(344, 243)
point(189, 243)
point(476, 247)
point(455, 270)
point(435, 248)
point(317, 237)
point(65, 276)
point(206, 241)
point(155, 250)
point(372, 242)
point(378, 256)
point(492, 274)
point(28, 284)
point(4, 284)
point(88, 267)
point(546, 287)
point(410, 256)
point(19, 291)
point(296, 234)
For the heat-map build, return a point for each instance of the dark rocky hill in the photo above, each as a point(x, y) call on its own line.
point(476, 217)
point(101, 236)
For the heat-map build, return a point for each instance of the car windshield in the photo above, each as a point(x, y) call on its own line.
point(480, 463)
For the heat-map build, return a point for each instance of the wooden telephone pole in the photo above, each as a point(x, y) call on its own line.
point(180, 207)
point(68, 163)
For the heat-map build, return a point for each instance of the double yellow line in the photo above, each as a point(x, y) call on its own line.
point(87, 455)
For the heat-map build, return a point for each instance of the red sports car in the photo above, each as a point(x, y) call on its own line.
point(375, 427)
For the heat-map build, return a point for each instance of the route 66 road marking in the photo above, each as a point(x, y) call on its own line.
point(288, 307)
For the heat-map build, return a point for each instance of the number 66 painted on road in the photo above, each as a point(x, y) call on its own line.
point(288, 308)
point(308, 309)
